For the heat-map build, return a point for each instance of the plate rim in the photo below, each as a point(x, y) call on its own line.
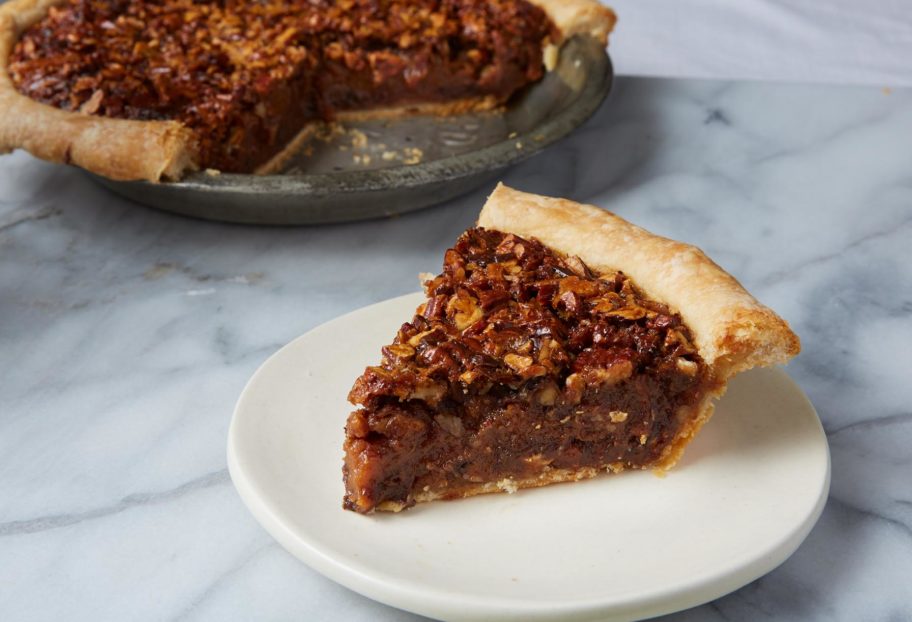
point(430, 601)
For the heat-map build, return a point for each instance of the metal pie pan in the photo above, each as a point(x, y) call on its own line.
point(381, 167)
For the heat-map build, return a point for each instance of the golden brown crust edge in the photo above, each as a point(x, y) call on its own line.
point(573, 17)
point(732, 330)
point(116, 148)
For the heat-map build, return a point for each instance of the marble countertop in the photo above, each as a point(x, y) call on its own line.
point(126, 335)
point(826, 42)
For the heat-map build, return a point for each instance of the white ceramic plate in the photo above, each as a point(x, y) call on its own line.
point(619, 547)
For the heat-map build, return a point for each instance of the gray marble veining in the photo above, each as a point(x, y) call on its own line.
point(126, 335)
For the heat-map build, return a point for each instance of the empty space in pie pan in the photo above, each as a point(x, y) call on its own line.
point(380, 167)
point(617, 547)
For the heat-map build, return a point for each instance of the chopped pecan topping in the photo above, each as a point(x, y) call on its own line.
point(507, 311)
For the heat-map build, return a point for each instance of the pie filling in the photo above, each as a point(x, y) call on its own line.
point(523, 367)
point(247, 76)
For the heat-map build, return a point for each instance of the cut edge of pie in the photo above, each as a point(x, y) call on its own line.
point(730, 330)
point(460, 106)
point(153, 150)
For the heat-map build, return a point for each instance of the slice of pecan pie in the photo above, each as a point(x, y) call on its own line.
point(558, 342)
point(149, 89)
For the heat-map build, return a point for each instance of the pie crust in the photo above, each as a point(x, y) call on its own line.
point(125, 149)
point(730, 330)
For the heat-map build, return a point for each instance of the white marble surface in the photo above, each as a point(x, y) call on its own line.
point(126, 334)
point(822, 41)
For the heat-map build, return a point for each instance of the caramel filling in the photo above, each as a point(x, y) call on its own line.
point(522, 363)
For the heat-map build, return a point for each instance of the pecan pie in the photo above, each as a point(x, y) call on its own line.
point(149, 89)
point(558, 342)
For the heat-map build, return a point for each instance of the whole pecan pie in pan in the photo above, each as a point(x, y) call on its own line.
point(558, 342)
point(151, 89)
